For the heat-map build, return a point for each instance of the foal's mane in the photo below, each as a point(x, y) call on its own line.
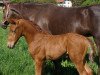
point(34, 25)
point(31, 24)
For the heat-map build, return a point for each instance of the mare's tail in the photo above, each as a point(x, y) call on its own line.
point(92, 50)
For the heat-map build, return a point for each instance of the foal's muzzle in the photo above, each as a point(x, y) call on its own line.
point(4, 24)
point(10, 45)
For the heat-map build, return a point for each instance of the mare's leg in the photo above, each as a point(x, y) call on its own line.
point(38, 67)
point(97, 41)
point(88, 69)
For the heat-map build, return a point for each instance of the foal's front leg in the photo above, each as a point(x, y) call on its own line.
point(38, 66)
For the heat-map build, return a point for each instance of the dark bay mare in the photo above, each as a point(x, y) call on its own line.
point(57, 20)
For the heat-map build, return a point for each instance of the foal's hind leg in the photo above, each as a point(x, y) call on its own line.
point(88, 69)
point(80, 66)
point(79, 63)
point(81, 69)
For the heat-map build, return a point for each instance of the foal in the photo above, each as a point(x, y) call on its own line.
point(44, 46)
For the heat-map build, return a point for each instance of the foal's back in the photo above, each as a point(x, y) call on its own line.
point(70, 42)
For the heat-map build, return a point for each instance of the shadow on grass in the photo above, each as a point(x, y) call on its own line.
point(1, 73)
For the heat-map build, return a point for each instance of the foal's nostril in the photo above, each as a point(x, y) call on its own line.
point(6, 23)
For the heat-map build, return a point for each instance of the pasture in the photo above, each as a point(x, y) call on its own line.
point(17, 61)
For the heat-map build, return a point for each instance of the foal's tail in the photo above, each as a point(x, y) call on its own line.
point(92, 50)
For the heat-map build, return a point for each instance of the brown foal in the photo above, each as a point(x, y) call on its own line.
point(44, 46)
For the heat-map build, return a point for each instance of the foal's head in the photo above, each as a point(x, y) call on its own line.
point(20, 28)
point(15, 32)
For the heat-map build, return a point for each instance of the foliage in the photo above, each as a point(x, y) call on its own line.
point(67, 63)
point(45, 1)
point(90, 2)
point(42, 1)
point(85, 2)
point(77, 2)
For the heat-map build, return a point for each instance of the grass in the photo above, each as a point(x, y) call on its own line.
point(17, 61)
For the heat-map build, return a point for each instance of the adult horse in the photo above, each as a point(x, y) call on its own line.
point(58, 20)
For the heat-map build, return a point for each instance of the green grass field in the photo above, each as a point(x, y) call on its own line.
point(17, 61)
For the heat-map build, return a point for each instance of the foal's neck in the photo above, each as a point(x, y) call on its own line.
point(32, 32)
